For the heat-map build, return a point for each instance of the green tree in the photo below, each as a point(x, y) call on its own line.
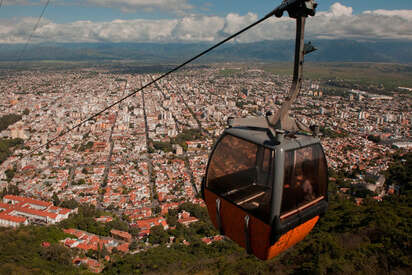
point(10, 174)
point(134, 231)
point(400, 172)
point(57, 253)
point(102, 252)
point(195, 210)
point(171, 220)
point(11, 189)
point(79, 182)
point(158, 235)
point(71, 204)
point(6, 145)
point(55, 199)
point(134, 245)
point(157, 210)
point(7, 120)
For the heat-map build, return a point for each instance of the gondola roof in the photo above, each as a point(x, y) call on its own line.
point(263, 136)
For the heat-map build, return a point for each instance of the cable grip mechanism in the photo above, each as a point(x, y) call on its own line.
point(296, 8)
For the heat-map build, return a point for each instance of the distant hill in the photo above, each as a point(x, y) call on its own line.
point(329, 50)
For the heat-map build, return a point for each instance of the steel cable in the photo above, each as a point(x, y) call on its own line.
point(151, 82)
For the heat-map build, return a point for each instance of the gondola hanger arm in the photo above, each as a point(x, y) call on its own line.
point(298, 10)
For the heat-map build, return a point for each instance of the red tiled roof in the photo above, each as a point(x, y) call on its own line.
point(147, 223)
point(36, 212)
point(122, 234)
point(104, 219)
point(82, 236)
point(187, 220)
point(4, 205)
point(64, 211)
point(206, 240)
point(28, 200)
point(4, 216)
point(83, 246)
point(218, 238)
point(94, 239)
point(70, 231)
point(69, 242)
point(123, 247)
point(93, 265)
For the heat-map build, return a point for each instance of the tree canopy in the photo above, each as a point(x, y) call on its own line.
point(7, 120)
point(5, 147)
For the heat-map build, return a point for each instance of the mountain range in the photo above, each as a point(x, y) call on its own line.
point(391, 51)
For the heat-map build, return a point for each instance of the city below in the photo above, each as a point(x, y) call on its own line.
point(147, 156)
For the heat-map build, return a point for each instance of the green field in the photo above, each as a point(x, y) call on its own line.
point(386, 75)
point(390, 76)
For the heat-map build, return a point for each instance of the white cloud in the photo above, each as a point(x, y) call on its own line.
point(405, 14)
point(197, 28)
point(339, 22)
point(234, 22)
point(337, 9)
point(18, 30)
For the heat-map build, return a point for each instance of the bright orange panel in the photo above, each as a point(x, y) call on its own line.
point(233, 226)
point(292, 237)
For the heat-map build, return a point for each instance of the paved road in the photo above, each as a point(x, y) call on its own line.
point(108, 162)
point(148, 155)
point(199, 124)
point(192, 179)
point(177, 122)
point(188, 169)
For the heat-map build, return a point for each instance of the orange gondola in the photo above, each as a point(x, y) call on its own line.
point(265, 194)
point(266, 181)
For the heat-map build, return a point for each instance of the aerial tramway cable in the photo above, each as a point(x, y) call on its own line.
point(32, 32)
point(270, 14)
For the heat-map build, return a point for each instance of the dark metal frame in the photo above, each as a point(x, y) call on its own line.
point(277, 165)
point(276, 120)
point(254, 129)
point(289, 144)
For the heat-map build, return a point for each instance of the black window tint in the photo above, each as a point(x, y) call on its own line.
point(240, 172)
point(305, 177)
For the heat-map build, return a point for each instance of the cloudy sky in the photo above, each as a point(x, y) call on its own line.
point(195, 20)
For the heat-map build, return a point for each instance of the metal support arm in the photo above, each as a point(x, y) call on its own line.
point(299, 10)
point(279, 120)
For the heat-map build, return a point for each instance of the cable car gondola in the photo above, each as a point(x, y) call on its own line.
point(266, 182)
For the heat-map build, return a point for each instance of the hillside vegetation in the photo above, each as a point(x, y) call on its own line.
point(373, 238)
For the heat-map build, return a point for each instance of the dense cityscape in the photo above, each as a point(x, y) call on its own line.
point(281, 144)
point(148, 154)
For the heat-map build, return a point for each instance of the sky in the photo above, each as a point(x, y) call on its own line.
point(196, 21)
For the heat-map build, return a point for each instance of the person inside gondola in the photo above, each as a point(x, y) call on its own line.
point(298, 182)
point(306, 181)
